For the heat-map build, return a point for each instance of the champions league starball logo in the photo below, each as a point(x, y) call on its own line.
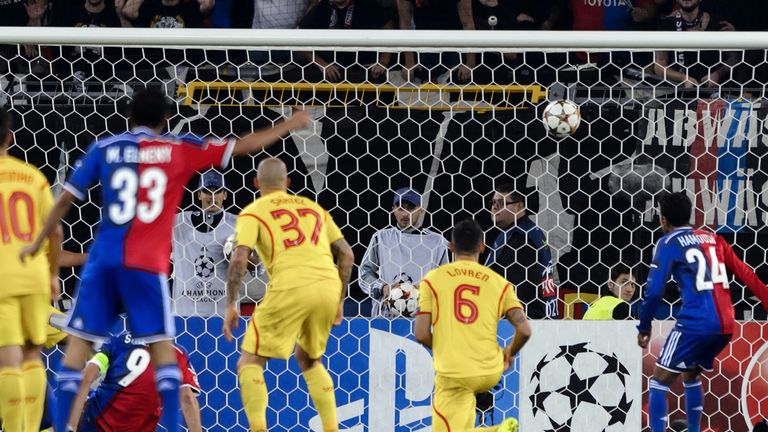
point(578, 388)
point(204, 267)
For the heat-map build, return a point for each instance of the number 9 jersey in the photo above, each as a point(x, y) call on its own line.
point(126, 399)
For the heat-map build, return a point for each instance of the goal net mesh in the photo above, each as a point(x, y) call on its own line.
point(451, 140)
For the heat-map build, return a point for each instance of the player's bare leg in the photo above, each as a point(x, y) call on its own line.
point(69, 376)
point(694, 399)
point(168, 380)
point(320, 386)
point(253, 389)
point(11, 388)
point(33, 377)
point(657, 404)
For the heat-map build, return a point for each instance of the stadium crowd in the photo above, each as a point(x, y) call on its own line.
point(686, 68)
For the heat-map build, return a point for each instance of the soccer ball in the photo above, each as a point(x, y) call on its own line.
point(578, 388)
point(561, 118)
point(403, 300)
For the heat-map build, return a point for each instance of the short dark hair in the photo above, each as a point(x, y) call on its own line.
point(676, 207)
point(5, 124)
point(618, 270)
point(149, 108)
point(467, 236)
point(510, 190)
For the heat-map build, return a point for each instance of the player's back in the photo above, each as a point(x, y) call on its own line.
point(467, 301)
point(143, 176)
point(126, 399)
point(294, 237)
point(25, 201)
point(696, 260)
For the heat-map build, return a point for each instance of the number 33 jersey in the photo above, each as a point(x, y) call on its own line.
point(293, 237)
point(127, 399)
point(697, 261)
point(142, 177)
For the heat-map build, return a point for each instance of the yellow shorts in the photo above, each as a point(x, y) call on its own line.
point(284, 318)
point(453, 406)
point(24, 319)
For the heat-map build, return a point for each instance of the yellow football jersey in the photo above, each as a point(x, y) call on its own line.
point(466, 301)
point(293, 237)
point(25, 201)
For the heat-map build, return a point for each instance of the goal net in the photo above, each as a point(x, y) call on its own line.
point(453, 141)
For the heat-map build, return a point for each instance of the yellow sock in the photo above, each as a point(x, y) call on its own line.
point(253, 390)
point(320, 387)
point(33, 377)
point(11, 399)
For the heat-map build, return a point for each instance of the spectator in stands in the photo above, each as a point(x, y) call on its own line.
point(199, 261)
point(348, 14)
point(513, 14)
point(402, 253)
point(20, 13)
point(619, 291)
point(83, 62)
point(165, 13)
point(694, 68)
point(436, 15)
point(276, 14)
point(521, 254)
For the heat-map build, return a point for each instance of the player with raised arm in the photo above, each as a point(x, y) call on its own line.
point(125, 399)
point(697, 260)
point(460, 305)
point(142, 175)
point(298, 242)
point(28, 285)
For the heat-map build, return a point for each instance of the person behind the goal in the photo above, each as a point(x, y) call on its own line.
point(298, 242)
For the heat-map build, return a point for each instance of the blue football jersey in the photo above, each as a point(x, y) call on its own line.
point(698, 262)
point(142, 177)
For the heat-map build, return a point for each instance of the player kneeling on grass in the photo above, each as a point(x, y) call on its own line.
point(126, 399)
point(460, 305)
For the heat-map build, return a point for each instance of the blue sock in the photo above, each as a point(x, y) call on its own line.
point(657, 409)
point(168, 379)
point(68, 384)
point(694, 404)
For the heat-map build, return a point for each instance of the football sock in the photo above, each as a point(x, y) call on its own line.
point(69, 384)
point(320, 387)
point(657, 410)
point(253, 390)
point(33, 377)
point(168, 379)
point(11, 399)
point(694, 400)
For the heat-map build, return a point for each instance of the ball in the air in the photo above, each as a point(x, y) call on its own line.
point(561, 118)
point(403, 300)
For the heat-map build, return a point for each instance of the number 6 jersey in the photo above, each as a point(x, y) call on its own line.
point(142, 177)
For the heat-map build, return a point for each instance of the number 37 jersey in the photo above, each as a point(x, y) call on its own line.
point(293, 237)
point(142, 177)
point(697, 260)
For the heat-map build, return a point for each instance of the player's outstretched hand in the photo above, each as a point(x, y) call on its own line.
point(643, 339)
point(29, 251)
point(300, 120)
point(231, 321)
